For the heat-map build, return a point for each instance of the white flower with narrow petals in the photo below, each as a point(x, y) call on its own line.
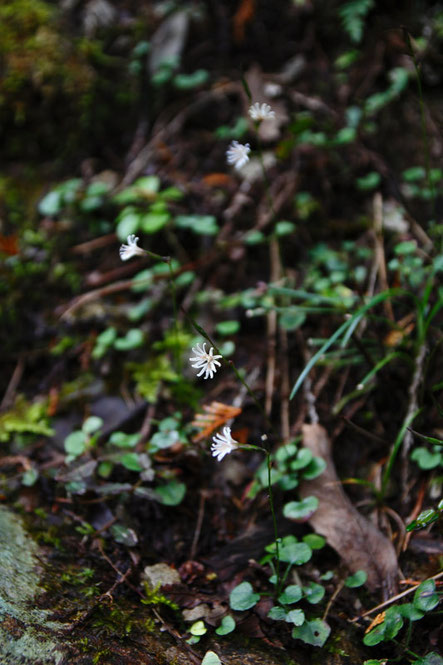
point(237, 154)
point(131, 249)
point(261, 112)
point(223, 444)
point(204, 361)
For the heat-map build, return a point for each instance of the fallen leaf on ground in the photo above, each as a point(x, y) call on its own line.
point(359, 543)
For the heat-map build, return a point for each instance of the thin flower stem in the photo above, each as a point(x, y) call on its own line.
point(274, 522)
point(177, 355)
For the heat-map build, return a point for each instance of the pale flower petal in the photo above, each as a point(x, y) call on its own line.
point(131, 249)
point(261, 112)
point(237, 154)
point(206, 362)
point(223, 444)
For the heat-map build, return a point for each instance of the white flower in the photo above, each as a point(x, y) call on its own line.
point(204, 361)
point(261, 112)
point(131, 249)
point(223, 444)
point(237, 154)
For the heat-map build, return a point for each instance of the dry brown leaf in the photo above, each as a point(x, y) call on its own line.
point(245, 13)
point(404, 327)
point(359, 543)
point(215, 415)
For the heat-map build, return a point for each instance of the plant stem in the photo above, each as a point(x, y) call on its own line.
point(274, 521)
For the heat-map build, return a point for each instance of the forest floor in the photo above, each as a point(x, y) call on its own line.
point(314, 272)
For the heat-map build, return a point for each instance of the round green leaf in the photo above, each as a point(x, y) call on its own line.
point(301, 510)
point(127, 224)
point(295, 553)
point(314, 541)
point(304, 457)
point(425, 597)
point(291, 594)
point(356, 580)
point(227, 625)
point(123, 440)
point(284, 228)
point(130, 461)
point(198, 628)
point(426, 459)
point(151, 222)
point(170, 494)
point(315, 468)
point(51, 204)
point(242, 597)
point(297, 617)
point(227, 327)
point(133, 339)
point(211, 658)
point(92, 424)
point(314, 593)
point(314, 632)
point(189, 81)
point(75, 443)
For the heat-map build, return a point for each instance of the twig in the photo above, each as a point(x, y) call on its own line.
point(380, 252)
point(198, 526)
point(332, 599)
point(395, 598)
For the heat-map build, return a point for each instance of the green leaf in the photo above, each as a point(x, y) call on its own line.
point(75, 443)
point(190, 81)
point(277, 613)
point(291, 319)
point(227, 625)
point(314, 541)
point(29, 477)
point(314, 632)
point(200, 224)
point(426, 459)
point(123, 440)
point(297, 617)
point(227, 327)
point(356, 580)
point(128, 224)
point(414, 173)
point(303, 458)
point(291, 594)
point(198, 628)
point(92, 424)
point(295, 553)
point(242, 597)
point(124, 535)
point(149, 184)
point(425, 597)
point(284, 228)
point(133, 339)
point(409, 611)
point(131, 462)
point(151, 222)
point(170, 494)
point(254, 237)
point(301, 510)
point(211, 658)
point(313, 592)
point(431, 658)
point(369, 181)
point(51, 204)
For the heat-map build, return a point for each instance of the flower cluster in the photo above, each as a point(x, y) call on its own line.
point(131, 249)
point(223, 444)
point(204, 361)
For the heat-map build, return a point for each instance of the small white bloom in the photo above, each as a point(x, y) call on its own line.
point(261, 112)
point(237, 154)
point(223, 444)
point(206, 362)
point(131, 249)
